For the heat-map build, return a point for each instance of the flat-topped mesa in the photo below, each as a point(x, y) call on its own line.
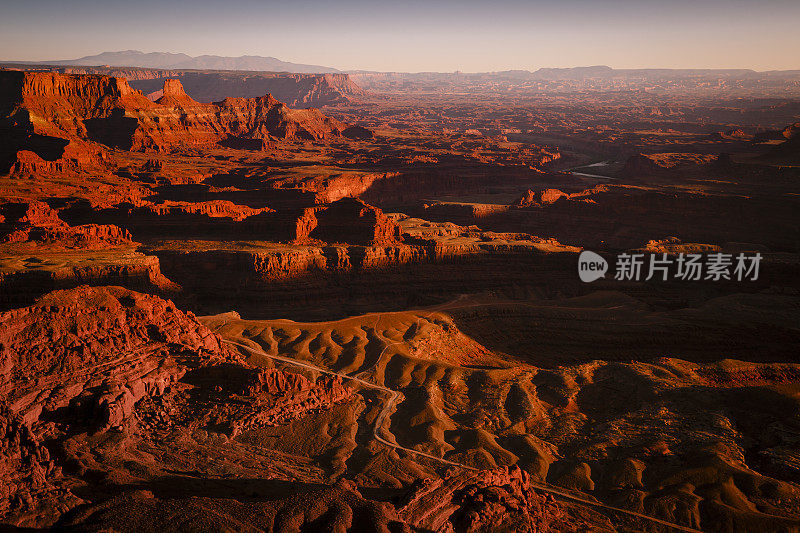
point(348, 220)
point(295, 89)
point(329, 89)
point(81, 91)
point(58, 104)
point(261, 118)
point(173, 88)
point(265, 117)
point(36, 222)
point(46, 120)
point(237, 122)
point(43, 112)
point(549, 197)
point(173, 94)
point(249, 103)
point(538, 198)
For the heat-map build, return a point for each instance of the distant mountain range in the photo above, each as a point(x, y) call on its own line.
point(165, 60)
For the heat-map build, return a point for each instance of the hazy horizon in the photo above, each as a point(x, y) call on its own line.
point(650, 67)
point(443, 36)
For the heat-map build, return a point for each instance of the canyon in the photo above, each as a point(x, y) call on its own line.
point(223, 308)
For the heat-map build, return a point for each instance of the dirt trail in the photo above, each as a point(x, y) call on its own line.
point(394, 395)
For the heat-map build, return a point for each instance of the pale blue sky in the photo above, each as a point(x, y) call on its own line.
point(414, 35)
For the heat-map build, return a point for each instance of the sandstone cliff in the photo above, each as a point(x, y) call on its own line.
point(297, 90)
point(37, 222)
point(54, 120)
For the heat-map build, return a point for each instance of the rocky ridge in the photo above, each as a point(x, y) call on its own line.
point(59, 118)
point(92, 360)
point(36, 222)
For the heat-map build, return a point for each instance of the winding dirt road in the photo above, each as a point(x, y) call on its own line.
point(393, 398)
point(558, 493)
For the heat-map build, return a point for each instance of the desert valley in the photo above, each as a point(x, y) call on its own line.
point(251, 300)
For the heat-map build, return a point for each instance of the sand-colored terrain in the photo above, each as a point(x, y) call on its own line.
point(253, 315)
